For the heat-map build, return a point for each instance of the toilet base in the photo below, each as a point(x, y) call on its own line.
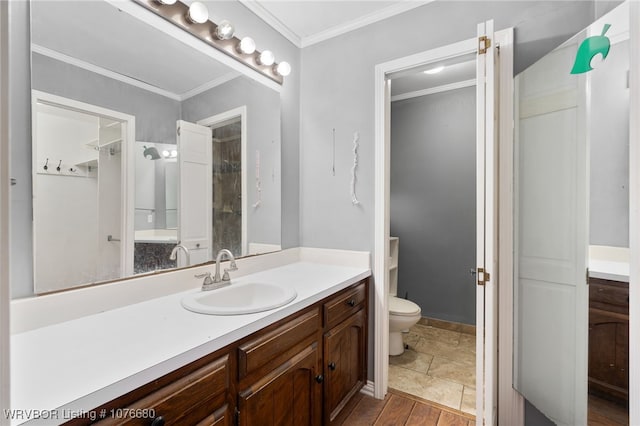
point(396, 345)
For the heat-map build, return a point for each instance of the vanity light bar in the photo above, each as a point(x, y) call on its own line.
point(221, 38)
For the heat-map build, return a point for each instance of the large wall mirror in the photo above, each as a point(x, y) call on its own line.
point(572, 226)
point(142, 143)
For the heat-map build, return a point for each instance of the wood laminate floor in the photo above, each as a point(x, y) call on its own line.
point(400, 409)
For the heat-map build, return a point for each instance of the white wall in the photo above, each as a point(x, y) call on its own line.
point(65, 207)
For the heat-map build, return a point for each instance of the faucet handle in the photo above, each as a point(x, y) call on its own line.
point(206, 276)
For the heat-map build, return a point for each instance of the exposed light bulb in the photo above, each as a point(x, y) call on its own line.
point(267, 58)
point(174, 153)
point(435, 70)
point(225, 30)
point(247, 46)
point(283, 68)
point(165, 153)
point(198, 13)
point(166, 2)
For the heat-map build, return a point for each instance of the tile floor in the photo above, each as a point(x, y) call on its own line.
point(439, 366)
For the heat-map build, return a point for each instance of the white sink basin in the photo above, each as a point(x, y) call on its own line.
point(237, 299)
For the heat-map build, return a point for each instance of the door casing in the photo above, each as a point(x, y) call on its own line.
point(504, 73)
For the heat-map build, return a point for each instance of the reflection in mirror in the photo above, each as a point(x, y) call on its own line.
point(78, 59)
point(572, 178)
point(78, 198)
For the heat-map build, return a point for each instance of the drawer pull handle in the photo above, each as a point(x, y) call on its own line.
point(158, 421)
point(332, 366)
point(319, 378)
point(351, 303)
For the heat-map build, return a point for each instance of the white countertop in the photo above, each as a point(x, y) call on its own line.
point(609, 263)
point(79, 364)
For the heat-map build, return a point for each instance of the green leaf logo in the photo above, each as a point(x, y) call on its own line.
point(589, 48)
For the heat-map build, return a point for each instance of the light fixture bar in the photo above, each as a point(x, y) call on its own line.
point(177, 14)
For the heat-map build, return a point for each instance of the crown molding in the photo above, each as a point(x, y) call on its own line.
point(433, 90)
point(272, 21)
point(363, 21)
point(264, 14)
point(102, 71)
point(208, 85)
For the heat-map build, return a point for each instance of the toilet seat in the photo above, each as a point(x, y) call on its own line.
point(402, 307)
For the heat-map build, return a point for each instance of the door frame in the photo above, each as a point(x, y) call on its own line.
point(504, 39)
point(634, 215)
point(5, 188)
point(212, 121)
point(127, 185)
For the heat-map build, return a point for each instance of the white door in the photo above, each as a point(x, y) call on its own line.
point(551, 293)
point(194, 192)
point(486, 273)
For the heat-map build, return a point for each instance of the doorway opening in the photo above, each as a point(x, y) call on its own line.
point(433, 228)
point(229, 192)
point(494, 75)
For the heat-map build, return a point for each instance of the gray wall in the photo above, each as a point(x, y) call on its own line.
point(21, 247)
point(156, 115)
point(609, 171)
point(263, 133)
point(337, 91)
point(433, 198)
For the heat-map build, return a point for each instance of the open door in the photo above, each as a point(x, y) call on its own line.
point(194, 192)
point(486, 273)
point(551, 293)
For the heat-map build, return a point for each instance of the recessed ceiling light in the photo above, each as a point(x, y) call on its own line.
point(435, 70)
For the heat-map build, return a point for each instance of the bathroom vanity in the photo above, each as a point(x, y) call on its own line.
point(609, 338)
point(299, 370)
point(157, 363)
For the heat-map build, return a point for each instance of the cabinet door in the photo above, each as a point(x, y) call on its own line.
point(289, 395)
point(345, 362)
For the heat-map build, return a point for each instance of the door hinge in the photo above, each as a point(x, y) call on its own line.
point(484, 43)
point(483, 276)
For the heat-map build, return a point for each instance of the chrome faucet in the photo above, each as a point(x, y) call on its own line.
point(232, 267)
point(174, 253)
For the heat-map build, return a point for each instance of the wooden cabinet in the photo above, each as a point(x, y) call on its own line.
point(345, 340)
point(280, 374)
point(609, 339)
point(301, 370)
point(289, 395)
point(191, 395)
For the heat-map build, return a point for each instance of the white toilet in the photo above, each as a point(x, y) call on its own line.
point(403, 314)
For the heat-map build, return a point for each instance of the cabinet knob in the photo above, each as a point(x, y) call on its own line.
point(351, 303)
point(319, 378)
point(158, 421)
point(332, 366)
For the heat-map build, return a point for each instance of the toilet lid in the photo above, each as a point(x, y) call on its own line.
point(399, 306)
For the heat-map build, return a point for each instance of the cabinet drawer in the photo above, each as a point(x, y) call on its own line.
point(187, 400)
point(610, 296)
point(344, 305)
point(274, 345)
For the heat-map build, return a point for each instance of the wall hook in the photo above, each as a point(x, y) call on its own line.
point(46, 164)
point(59, 164)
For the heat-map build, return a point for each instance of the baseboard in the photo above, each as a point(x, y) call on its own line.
point(448, 325)
point(367, 389)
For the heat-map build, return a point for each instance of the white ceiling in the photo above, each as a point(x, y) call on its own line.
point(305, 22)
